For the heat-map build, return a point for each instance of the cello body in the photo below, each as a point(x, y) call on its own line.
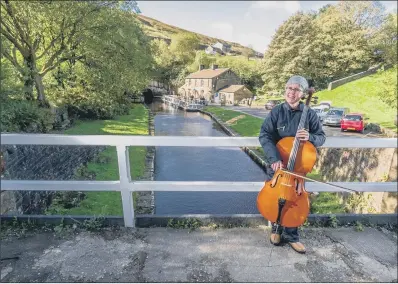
point(294, 209)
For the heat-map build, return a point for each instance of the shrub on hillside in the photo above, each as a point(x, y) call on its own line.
point(25, 116)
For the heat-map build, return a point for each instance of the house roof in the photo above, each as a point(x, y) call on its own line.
point(207, 73)
point(223, 43)
point(232, 89)
point(215, 49)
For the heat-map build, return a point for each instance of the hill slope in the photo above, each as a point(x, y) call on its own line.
point(157, 29)
point(361, 96)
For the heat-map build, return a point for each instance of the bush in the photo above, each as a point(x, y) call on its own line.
point(83, 104)
point(87, 110)
point(25, 116)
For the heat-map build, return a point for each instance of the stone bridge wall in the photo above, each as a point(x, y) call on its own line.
point(39, 162)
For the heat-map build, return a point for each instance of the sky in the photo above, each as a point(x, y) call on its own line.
point(245, 22)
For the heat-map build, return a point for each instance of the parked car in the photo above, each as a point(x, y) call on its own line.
point(353, 121)
point(334, 116)
point(327, 104)
point(321, 112)
point(272, 103)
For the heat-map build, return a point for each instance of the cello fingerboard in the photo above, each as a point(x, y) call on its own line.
point(296, 143)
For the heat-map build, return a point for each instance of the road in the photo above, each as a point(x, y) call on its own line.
point(329, 130)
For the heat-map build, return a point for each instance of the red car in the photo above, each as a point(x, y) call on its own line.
point(353, 121)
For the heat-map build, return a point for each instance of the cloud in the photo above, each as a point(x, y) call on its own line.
point(257, 40)
point(289, 6)
point(391, 6)
point(261, 20)
point(222, 30)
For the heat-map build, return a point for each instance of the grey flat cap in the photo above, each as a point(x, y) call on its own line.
point(298, 80)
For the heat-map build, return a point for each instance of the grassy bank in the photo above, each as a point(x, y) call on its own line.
point(249, 126)
point(361, 96)
point(105, 166)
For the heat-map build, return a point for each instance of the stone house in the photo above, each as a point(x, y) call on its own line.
point(206, 84)
point(223, 46)
point(235, 93)
point(213, 50)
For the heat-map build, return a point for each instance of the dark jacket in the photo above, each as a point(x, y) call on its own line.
point(282, 122)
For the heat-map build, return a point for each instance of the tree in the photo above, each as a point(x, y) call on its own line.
point(289, 52)
point(117, 61)
point(385, 41)
point(42, 35)
point(183, 46)
point(333, 43)
point(248, 52)
point(341, 44)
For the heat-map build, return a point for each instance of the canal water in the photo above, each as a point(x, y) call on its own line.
point(200, 164)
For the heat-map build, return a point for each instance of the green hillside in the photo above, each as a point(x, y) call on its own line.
point(361, 96)
point(157, 29)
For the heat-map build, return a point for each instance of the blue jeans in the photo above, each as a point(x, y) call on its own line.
point(288, 234)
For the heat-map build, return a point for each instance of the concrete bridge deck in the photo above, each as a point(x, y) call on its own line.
point(204, 255)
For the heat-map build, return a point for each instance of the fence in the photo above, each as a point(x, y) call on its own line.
point(126, 186)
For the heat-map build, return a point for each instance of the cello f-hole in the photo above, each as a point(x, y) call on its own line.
point(274, 181)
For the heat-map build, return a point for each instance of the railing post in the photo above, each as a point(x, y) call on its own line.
point(125, 178)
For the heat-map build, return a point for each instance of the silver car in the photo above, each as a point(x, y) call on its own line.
point(321, 113)
point(334, 116)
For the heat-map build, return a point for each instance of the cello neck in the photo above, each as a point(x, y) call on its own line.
point(296, 143)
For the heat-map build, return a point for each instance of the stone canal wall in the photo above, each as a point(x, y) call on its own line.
point(145, 201)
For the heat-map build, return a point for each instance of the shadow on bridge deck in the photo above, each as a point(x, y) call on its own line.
point(203, 255)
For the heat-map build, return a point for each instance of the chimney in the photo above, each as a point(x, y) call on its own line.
point(201, 67)
point(214, 67)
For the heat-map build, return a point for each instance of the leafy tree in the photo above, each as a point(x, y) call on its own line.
point(290, 52)
point(183, 46)
point(385, 41)
point(117, 61)
point(40, 36)
point(325, 46)
point(248, 52)
point(342, 45)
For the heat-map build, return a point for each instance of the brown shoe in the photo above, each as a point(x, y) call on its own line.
point(275, 239)
point(297, 246)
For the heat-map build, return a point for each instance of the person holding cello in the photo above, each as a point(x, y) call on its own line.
point(283, 121)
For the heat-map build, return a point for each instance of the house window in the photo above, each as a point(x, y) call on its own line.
point(202, 83)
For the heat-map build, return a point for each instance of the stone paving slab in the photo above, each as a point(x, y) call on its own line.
point(203, 255)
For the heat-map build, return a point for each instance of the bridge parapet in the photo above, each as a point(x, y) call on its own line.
point(125, 185)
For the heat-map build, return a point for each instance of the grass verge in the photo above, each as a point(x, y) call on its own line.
point(249, 126)
point(105, 166)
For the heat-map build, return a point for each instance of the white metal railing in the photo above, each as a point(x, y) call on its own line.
point(126, 186)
